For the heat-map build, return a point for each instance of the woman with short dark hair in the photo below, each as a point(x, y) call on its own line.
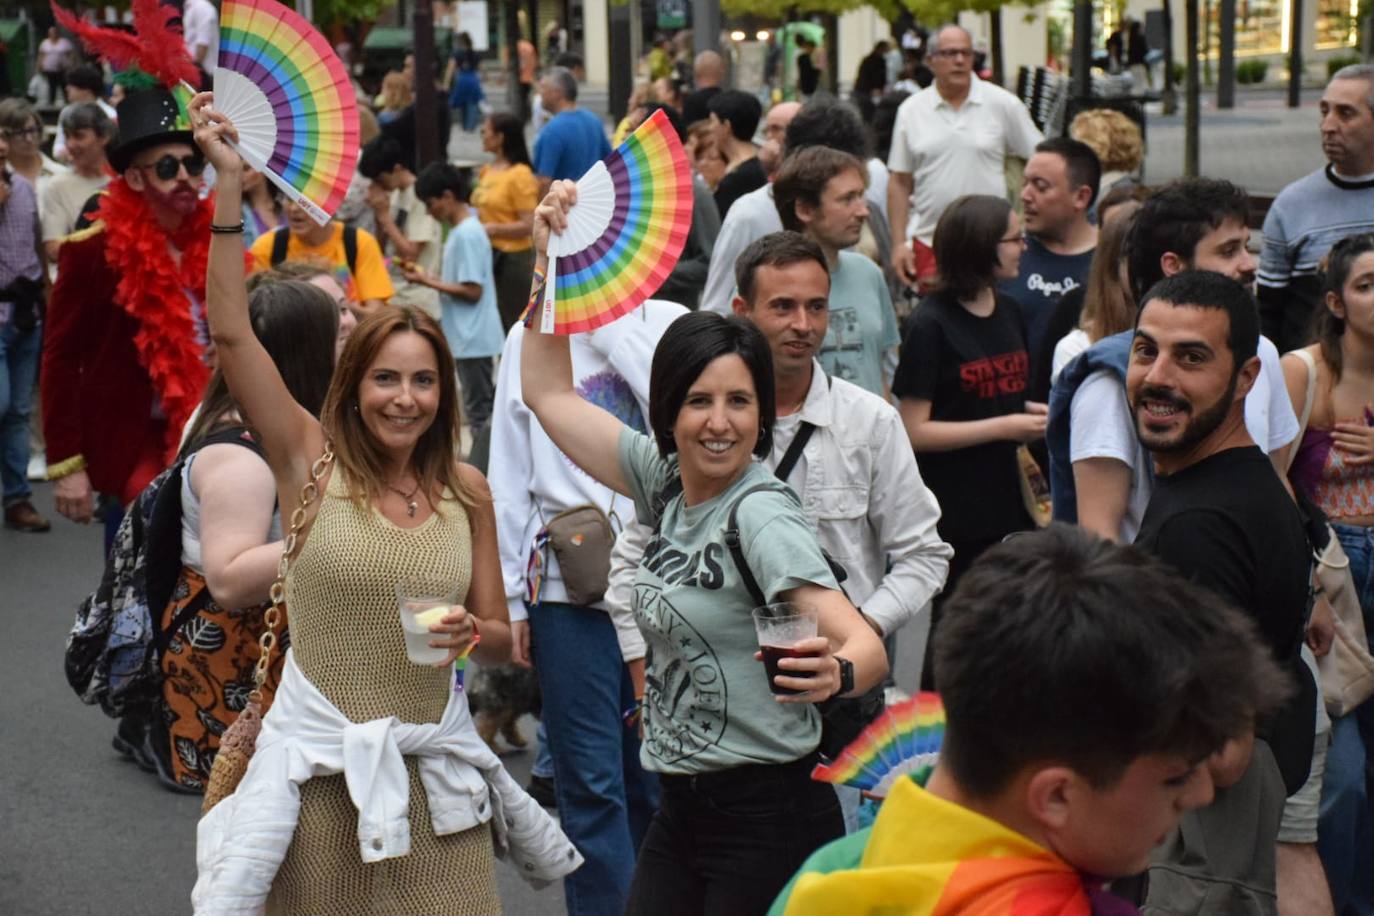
point(962, 383)
point(739, 811)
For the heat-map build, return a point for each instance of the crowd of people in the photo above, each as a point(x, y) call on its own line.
point(895, 346)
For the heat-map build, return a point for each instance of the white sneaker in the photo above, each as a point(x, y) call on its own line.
point(38, 467)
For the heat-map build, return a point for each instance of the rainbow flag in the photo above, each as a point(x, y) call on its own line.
point(925, 856)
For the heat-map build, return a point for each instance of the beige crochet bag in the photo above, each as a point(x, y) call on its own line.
point(239, 741)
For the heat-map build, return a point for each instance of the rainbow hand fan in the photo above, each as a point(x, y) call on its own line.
point(288, 94)
point(624, 235)
point(904, 740)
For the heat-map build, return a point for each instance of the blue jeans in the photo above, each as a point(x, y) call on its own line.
point(1345, 832)
point(605, 798)
point(19, 352)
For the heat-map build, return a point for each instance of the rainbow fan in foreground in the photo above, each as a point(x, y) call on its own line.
point(288, 94)
point(624, 235)
point(904, 740)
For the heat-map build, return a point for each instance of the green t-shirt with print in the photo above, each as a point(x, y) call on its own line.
point(707, 705)
point(863, 326)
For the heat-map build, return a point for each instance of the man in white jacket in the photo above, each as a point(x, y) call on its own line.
point(605, 798)
point(854, 472)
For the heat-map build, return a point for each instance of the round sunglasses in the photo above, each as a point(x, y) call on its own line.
point(169, 166)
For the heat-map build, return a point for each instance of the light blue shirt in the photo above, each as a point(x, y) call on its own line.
point(473, 329)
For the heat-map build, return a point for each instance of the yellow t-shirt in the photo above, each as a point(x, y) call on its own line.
point(501, 196)
point(369, 279)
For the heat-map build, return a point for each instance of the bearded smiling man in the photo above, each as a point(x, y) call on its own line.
point(1220, 515)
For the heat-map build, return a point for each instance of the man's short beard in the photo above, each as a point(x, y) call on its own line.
point(173, 200)
point(1199, 427)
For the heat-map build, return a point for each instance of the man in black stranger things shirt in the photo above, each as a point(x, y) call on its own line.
point(1220, 514)
point(1060, 187)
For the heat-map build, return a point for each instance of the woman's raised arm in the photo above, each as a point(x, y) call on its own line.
point(291, 437)
point(584, 432)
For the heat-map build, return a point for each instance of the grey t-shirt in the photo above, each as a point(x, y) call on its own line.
point(707, 705)
point(863, 326)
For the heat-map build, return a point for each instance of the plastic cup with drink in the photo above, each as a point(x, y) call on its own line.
point(781, 627)
point(420, 609)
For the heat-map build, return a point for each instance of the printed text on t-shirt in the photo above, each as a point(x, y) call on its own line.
point(992, 376)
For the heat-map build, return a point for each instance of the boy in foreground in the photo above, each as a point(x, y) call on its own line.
point(1087, 688)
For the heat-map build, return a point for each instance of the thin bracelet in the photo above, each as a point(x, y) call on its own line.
point(235, 229)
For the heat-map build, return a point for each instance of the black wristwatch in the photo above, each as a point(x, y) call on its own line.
point(846, 676)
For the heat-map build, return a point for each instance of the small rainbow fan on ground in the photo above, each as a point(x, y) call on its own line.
point(290, 98)
point(624, 235)
point(903, 741)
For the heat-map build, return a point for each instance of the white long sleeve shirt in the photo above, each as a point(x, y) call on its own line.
point(531, 480)
point(242, 841)
point(858, 482)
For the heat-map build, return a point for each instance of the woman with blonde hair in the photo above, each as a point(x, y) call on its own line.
point(1118, 142)
point(378, 791)
point(395, 97)
point(1107, 304)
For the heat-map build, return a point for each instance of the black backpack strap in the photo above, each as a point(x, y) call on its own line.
point(794, 451)
point(732, 541)
point(350, 240)
point(280, 239)
point(163, 537)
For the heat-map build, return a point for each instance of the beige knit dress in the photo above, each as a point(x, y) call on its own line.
point(346, 635)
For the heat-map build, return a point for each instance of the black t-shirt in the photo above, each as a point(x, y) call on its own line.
point(1227, 523)
point(1044, 278)
point(747, 176)
point(808, 74)
point(969, 368)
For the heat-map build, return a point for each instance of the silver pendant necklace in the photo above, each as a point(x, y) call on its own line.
point(411, 503)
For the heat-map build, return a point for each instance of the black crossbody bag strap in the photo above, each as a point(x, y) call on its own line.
point(794, 451)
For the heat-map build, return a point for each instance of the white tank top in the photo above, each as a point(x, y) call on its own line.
point(190, 520)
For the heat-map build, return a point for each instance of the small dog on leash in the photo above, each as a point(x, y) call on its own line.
point(498, 697)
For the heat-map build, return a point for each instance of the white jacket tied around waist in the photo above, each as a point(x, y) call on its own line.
point(240, 844)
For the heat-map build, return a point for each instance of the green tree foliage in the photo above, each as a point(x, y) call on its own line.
point(330, 13)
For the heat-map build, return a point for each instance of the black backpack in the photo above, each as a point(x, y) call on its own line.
point(282, 237)
point(114, 651)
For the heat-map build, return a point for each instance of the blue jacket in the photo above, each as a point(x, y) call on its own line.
point(1112, 353)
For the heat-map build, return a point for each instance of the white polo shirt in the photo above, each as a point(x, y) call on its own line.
point(951, 152)
point(200, 26)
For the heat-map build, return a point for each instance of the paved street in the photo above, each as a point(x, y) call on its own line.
point(86, 833)
point(1261, 144)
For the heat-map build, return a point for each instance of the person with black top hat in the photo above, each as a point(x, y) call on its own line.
point(123, 356)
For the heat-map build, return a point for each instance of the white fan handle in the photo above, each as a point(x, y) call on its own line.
point(546, 311)
point(258, 163)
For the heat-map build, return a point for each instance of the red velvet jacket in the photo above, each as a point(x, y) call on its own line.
point(97, 398)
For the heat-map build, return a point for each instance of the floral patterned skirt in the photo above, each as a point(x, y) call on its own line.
point(208, 675)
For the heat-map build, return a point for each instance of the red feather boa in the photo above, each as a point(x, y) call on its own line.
point(151, 289)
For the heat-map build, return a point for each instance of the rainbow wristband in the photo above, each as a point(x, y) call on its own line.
point(538, 279)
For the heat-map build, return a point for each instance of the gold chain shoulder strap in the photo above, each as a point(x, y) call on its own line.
point(277, 595)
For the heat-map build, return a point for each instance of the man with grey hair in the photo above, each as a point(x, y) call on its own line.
point(1319, 209)
point(573, 139)
point(950, 139)
point(88, 131)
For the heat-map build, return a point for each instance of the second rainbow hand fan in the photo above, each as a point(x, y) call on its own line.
point(904, 740)
point(290, 98)
point(624, 235)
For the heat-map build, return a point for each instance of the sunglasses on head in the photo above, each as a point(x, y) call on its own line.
point(168, 166)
